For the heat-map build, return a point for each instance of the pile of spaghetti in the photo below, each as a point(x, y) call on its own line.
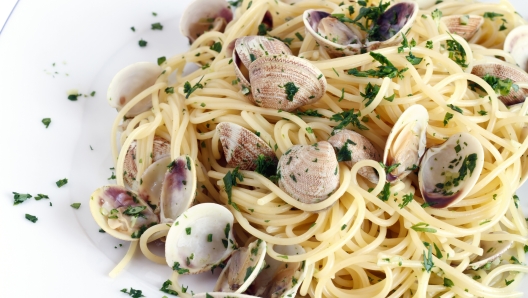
point(360, 245)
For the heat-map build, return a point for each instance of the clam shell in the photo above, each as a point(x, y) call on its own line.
point(160, 149)
point(242, 268)
point(129, 82)
point(222, 295)
point(179, 188)
point(187, 247)
point(149, 188)
point(309, 173)
point(492, 250)
point(204, 15)
point(108, 206)
point(336, 37)
point(241, 146)
point(391, 30)
point(406, 142)
point(250, 48)
point(285, 82)
point(442, 166)
point(516, 43)
point(503, 70)
point(360, 148)
point(463, 25)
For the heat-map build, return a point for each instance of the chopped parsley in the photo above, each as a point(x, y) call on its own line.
point(345, 154)
point(500, 86)
point(371, 91)
point(20, 197)
point(133, 293)
point(482, 113)
point(133, 29)
point(61, 182)
point(291, 90)
point(188, 230)
point(156, 26)
point(217, 47)
point(423, 227)
point(299, 36)
point(455, 108)
point(161, 60)
point(428, 260)
point(456, 52)
point(310, 112)
point(40, 196)
point(46, 121)
point(448, 116)
point(189, 90)
point(134, 211)
point(230, 180)
point(468, 164)
point(405, 44)
point(266, 165)
point(448, 283)
point(492, 15)
point(210, 238)
point(438, 253)
point(347, 117)
point(166, 288)
point(406, 200)
point(73, 97)
point(142, 43)
point(385, 192)
point(169, 90)
point(386, 69)
point(75, 205)
point(31, 218)
point(176, 267)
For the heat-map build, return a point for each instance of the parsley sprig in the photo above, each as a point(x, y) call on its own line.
point(133, 293)
point(230, 180)
point(188, 90)
point(347, 117)
point(406, 44)
point(386, 69)
point(428, 260)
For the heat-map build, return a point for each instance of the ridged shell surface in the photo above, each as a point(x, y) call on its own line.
point(360, 148)
point(250, 48)
point(463, 25)
point(241, 146)
point(204, 15)
point(285, 82)
point(309, 173)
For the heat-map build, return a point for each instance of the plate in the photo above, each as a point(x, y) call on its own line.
point(46, 49)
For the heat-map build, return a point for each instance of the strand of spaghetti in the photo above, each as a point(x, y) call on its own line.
point(125, 260)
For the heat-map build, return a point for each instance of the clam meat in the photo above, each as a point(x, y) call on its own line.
point(200, 238)
point(121, 213)
point(205, 15)
point(179, 188)
point(449, 171)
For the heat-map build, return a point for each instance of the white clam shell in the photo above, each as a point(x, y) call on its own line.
point(187, 247)
point(449, 171)
point(108, 205)
point(179, 188)
point(492, 250)
point(222, 295)
point(129, 82)
point(242, 268)
point(516, 44)
point(151, 181)
point(204, 15)
point(406, 142)
point(465, 29)
point(309, 173)
point(250, 48)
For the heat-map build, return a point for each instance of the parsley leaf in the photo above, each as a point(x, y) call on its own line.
point(61, 182)
point(142, 43)
point(385, 192)
point(423, 227)
point(40, 196)
point(46, 121)
point(166, 288)
point(347, 117)
point(386, 69)
point(75, 205)
point(455, 108)
point(448, 116)
point(136, 210)
point(492, 15)
point(217, 47)
point(133, 293)
point(312, 113)
point(266, 165)
point(456, 52)
point(189, 90)
point(20, 197)
point(176, 267)
point(448, 283)
point(344, 153)
point(428, 260)
point(406, 200)
point(371, 91)
point(161, 60)
point(291, 90)
point(156, 26)
point(230, 181)
point(501, 87)
point(31, 218)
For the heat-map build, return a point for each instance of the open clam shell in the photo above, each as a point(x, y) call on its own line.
point(242, 268)
point(280, 279)
point(449, 171)
point(242, 147)
point(394, 22)
point(204, 15)
point(129, 82)
point(179, 188)
point(492, 251)
point(200, 238)
point(503, 70)
point(121, 213)
point(357, 148)
point(406, 142)
point(335, 36)
point(309, 173)
point(151, 181)
point(285, 82)
point(516, 44)
point(463, 25)
point(160, 149)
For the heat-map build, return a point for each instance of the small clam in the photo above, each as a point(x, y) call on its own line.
point(204, 15)
point(279, 279)
point(242, 268)
point(309, 173)
point(357, 148)
point(160, 149)
point(179, 188)
point(336, 37)
point(241, 146)
point(200, 238)
point(151, 181)
point(516, 44)
point(492, 250)
point(504, 71)
point(129, 82)
point(121, 213)
point(285, 82)
point(394, 22)
point(406, 142)
point(221, 295)
point(449, 171)
point(463, 25)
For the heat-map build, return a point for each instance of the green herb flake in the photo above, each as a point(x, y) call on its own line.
point(343, 227)
point(385, 192)
point(386, 69)
point(61, 182)
point(176, 267)
point(482, 113)
point(406, 200)
point(291, 90)
point(73, 97)
point(133, 211)
point(188, 90)
point(161, 60)
point(142, 43)
point(46, 121)
point(347, 117)
point(217, 47)
point(448, 116)
point(492, 15)
point(133, 29)
point(188, 230)
point(455, 108)
point(156, 26)
point(299, 36)
point(166, 288)
point(230, 180)
point(20, 197)
point(448, 283)
point(423, 227)
point(133, 293)
point(31, 218)
point(75, 205)
point(169, 90)
point(428, 260)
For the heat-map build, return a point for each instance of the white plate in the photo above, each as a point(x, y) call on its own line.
point(89, 41)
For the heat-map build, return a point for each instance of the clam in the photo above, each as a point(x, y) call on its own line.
point(516, 44)
point(242, 268)
point(336, 37)
point(179, 188)
point(309, 173)
point(406, 143)
point(121, 213)
point(492, 250)
point(151, 181)
point(129, 82)
point(242, 147)
point(285, 82)
point(204, 15)
point(160, 149)
point(390, 26)
point(463, 25)
point(279, 279)
point(357, 148)
point(200, 238)
point(492, 69)
point(449, 171)
point(221, 295)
